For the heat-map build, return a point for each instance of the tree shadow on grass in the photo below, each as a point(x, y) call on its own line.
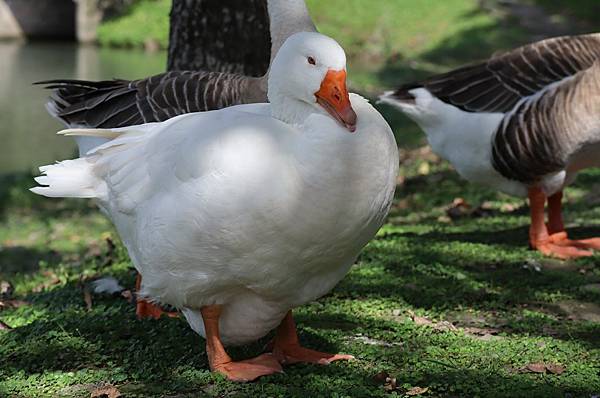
point(22, 259)
point(426, 272)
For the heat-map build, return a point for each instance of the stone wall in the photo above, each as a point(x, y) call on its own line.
point(49, 19)
point(9, 27)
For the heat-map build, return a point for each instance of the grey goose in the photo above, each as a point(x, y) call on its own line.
point(523, 122)
point(120, 103)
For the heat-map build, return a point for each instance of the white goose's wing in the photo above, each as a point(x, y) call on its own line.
point(137, 162)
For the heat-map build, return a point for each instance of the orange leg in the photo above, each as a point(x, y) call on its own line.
point(218, 359)
point(555, 221)
point(558, 235)
point(539, 237)
point(287, 349)
point(145, 309)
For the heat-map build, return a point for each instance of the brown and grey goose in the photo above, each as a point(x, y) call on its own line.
point(120, 103)
point(524, 122)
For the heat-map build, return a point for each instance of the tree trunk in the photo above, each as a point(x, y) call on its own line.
point(219, 35)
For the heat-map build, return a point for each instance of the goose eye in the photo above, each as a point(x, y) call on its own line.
point(311, 61)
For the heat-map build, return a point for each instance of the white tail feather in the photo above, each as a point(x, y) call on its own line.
point(87, 138)
point(104, 133)
point(70, 178)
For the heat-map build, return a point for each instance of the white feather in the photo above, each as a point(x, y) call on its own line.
point(70, 178)
point(108, 284)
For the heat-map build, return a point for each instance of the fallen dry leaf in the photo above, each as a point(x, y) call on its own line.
point(6, 290)
point(381, 377)
point(555, 368)
point(12, 304)
point(442, 325)
point(87, 297)
point(458, 209)
point(390, 384)
point(417, 391)
point(85, 289)
point(127, 295)
point(421, 320)
point(483, 334)
point(481, 331)
point(508, 207)
point(541, 367)
point(106, 392)
point(537, 367)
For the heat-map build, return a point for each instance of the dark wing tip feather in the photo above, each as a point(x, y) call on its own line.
point(72, 100)
point(403, 94)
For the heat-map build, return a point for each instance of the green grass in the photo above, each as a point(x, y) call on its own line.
point(145, 20)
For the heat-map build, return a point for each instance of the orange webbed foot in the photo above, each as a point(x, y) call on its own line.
point(287, 349)
point(560, 248)
point(561, 239)
point(249, 369)
point(589, 243)
point(291, 354)
point(145, 310)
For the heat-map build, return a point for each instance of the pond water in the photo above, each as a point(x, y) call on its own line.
point(27, 132)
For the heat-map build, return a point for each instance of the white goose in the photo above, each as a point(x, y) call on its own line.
point(524, 122)
point(236, 216)
point(121, 103)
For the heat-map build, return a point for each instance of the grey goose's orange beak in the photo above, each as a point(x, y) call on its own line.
point(333, 96)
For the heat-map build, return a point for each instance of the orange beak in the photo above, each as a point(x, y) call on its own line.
point(333, 96)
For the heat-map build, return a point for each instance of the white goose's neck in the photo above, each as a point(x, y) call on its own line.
point(290, 110)
point(287, 17)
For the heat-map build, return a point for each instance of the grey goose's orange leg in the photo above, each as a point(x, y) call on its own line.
point(539, 237)
point(556, 228)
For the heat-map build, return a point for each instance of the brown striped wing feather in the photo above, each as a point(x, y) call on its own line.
point(541, 134)
point(120, 103)
point(497, 84)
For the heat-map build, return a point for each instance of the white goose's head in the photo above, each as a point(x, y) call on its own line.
point(308, 74)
